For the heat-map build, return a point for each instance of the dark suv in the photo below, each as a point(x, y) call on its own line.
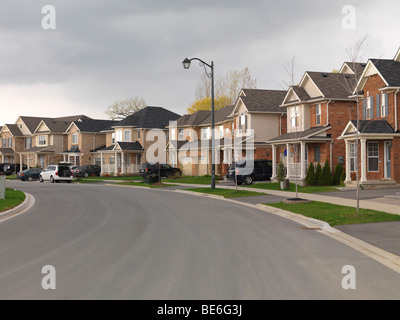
point(86, 171)
point(262, 170)
point(152, 169)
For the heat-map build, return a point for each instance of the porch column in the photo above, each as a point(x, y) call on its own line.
point(122, 162)
point(288, 160)
point(363, 160)
point(348, 164)
point(303, 160)
point(36, 160)
point(273, 162)
point(101, 163)
point(116, 163)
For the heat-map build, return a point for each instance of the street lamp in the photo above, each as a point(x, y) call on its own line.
point(186, 65)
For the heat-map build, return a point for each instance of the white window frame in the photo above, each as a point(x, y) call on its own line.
point(113, 138)
point(368, 108)
point(127, 135)
point(353, 157)
point(74, 138)
point(181, 133)
point(42, 140)
point(118, 136)
point(383, 105)
point(318, 114)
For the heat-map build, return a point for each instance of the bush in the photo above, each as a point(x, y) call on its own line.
point(336, 179)
point(342, 177)
point(326, 174)
point(310, 177)
point(318, 175)
point(281, 174)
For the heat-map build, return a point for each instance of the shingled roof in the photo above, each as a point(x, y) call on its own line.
point(14, 130)
point(333, 85)
point(149, 118)
point(257, 100)
point(33, 122)
point(94, 125)
point(390, 71)
point(373, 126)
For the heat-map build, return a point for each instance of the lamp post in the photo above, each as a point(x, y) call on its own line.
point(186, 65)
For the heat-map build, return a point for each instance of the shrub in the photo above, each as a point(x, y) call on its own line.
point(342, 177)
point(326, 174)
point(318, 175)
point(310, 177)
point(281, 174)
point(336, 179)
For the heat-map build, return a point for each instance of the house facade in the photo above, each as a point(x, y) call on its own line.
point(318, 109)
point(373, 142)
point(127, 141)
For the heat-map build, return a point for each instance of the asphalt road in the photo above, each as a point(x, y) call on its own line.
point(123, 243)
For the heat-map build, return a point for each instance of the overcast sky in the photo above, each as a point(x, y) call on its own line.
point(103, 51)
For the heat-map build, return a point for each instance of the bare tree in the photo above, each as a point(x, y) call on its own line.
point(121, 109)
point(228, 85)
point(350, 84)
point(290, 71)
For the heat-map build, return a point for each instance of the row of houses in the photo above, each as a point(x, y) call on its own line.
point(320, 119)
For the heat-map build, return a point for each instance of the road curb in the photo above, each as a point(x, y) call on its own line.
point(386, 258)
point(22, 208)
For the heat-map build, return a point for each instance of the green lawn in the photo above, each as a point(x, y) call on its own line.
point(292, 187)
point(13, 199)
point(192, 180)
point(336, 214)
point(115, 178)
point(227, 193)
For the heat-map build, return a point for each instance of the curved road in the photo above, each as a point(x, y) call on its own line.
point(123, 243)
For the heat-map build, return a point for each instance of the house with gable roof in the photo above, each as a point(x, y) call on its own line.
point(375, 137)
point(318, 109)
point(127, 140)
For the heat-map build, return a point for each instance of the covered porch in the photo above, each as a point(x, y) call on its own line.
point(372, 153)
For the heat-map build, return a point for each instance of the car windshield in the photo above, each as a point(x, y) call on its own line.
point(240, 164)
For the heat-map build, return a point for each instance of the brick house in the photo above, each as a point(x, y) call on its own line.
point(84, 136)
point(318, 109)
point(44, 139)
point(378, 128)
point(189, 145)
point(127, 142)
point(12, 141)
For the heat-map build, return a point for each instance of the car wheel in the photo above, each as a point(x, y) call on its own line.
point(30, 179)
point(51, 179)
point(248, 179)
point(41, 179)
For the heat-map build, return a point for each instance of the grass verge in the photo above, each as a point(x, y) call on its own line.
point(13, 199)
point(227, 193)
point(336, 214)
point(192, 180)
point(292, 188)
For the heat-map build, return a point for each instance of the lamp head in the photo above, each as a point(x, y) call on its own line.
point(186, 63)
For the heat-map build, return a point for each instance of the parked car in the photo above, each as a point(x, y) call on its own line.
point(29, 174)
point(56, 173)
point(9, 168)
point(262, 170)
point(86, 171)
point(152, 169)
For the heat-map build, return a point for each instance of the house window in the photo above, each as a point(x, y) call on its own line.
point(138, 134)
point(384, 105)
point(75, 160)
point(294, 117)
point(74, 138)
point(4, 142)
point(42, 140)
point(180, 134)
point(28, 142)
point(205, 133)
point(221, 132)
point(172, 137)
point(373, 156)
point(118, 136)
point(112, 138)
point(138, 159)
point(127, 135)
point(368, 108)
point(317, 154)
point(318, 114)
point(353, 157)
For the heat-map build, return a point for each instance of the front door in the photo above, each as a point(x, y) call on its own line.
point(388, 159)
